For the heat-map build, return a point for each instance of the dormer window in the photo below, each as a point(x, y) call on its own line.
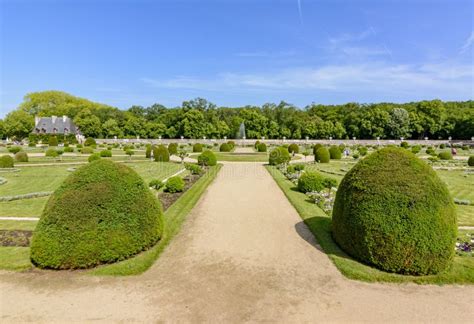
point(55, 130)
point(66, 131)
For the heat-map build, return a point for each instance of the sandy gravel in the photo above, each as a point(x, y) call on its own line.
point(243, 256)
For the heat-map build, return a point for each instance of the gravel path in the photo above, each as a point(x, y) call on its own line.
point(242, 256)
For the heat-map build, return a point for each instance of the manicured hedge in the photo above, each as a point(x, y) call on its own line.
point(310, 181)
point(161, 154)
point(470, 161)
point(262, 147)
point(87, 150)
point(279, 155)
point(102, 213)
point(225, 147)
point(207, 158)
point(6, 161)
point(106, 153)
point(14, 149)
point(90, 142)
point(445, 155)
point(293, 148)
point(148, 151)
point(174, 184)
point(322, 155)
point(51, 152)
point(335, 153)
point(173, 148)
point(21, 157)
point(197, 147)
point(53, 141)
point(392, 211)
point(93, 157)
point(316, 147)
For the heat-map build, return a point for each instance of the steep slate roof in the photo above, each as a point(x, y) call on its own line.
point(48, 124)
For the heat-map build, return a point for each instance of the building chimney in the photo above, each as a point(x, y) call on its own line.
point(64, 118)
point(53, 119)
point(37, 120)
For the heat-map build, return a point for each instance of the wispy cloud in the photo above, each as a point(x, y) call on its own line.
point(468, 43)
point(300, 12)
point(429, 79)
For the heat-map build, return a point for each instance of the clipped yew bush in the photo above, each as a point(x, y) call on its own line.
point(161, 154)
point(6, 161)
point(93, 157)
point(21, 157)
point(197, 147)
point(225, 147)
point(322, 155)
point(293, 148)
point(316, 147)
point(53, 141)
point(90, 142)
point(279, 155)
point(311, 181)
point(51, 152)
point(105, 153)
point(392, 211)
point(101, 213)
point(262, 147)
point(445, 155)
point(470, 161)
point(207, 158)
point(335, 153)
point(87, 150)
point(174, 184)
point(173, 148)
point(148, 151)
point(14, 149)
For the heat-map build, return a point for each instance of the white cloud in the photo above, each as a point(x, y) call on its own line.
point(468, 43)
point(429, 79)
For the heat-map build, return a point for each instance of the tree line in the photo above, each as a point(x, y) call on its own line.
point(200, 118)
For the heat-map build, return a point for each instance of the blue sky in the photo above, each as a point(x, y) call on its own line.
point(237, 52)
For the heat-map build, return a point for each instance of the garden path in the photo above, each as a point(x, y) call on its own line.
point(243, 255)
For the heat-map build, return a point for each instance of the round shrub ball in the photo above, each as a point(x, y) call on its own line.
point(392, 211)
point(322, 155)
point(173, 148)
point(90, 142)
point(6, 161)
point(207, 158)
point(106, 153)
point(470, 161)
point(14, 149)
point(279, 155)
point(310, 181)
point(317, 147)
point(51, 153)
point(256, 144)
point(335, 153)
point(21, 157)
point(87, 150)
point(53, 141)
point(148, 151)
point(225, 147)
point(262, 147)
point(102, 213)
point(197, 147)
point(404, 144)
point(174, 184)
point(93, 157)
point(445, 155)
point(161, 154)
point(416, 149)
point(293, 148)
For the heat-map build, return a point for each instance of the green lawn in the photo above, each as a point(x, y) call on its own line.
point(461, 272)
point(23, 208)
point(17, 225)
point(15, 258)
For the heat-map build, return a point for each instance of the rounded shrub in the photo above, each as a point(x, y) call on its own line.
point(262, 147)
point(102, 213)
point(416, 149)
point(68, 149)
point(14, 149)
point(310, 181)
point(21, 157)
point(156, 184)
point(197, 147)
point(335, 153)
point(470, 161)
point(225, 147)
point(6, 161)
point(442, 146)
point(293, 148)
point(51, 152)
point(231, 143)
point(90, 142)
point(430, 150)
point(173, 148)
point(363, 150)
point(207, 158)
point(161, 154)
point(53, 141)
point(148, 151)
point(174, 184)
point(445, 155)
point(404, 144)
point(393, 211)
point(279, 155)
point(87, 150)
point(316, 147)
point(106, 153)
point(256, 144)
point(322, 155)
point(93, 157)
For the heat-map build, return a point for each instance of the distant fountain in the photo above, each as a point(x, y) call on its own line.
point(241, 134)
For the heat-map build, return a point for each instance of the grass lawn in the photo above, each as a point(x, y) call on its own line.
point(15, 258)
point(17, 225)
point(174, 217)
point(23, 208)
point(461, 272)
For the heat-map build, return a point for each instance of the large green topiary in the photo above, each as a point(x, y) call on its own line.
point(173, 148)
point(161, 154)
point(310, 181)
point(225, 147)
point(445, 155)
point(322, 155)
point(90, 142)
point(262, 147)
point(316, 147)
point(6, 161)
point(21, 157)
point(279, 155)
point(174, 184)
point(207, 158)
point(293, 148)
point(393, 211)
point(102, 213)
point(335, 153)
point(53, 141)
point(197, 147)
point(470, 161)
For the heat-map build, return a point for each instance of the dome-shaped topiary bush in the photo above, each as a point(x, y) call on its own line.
point(404, 144)
point(197, 147)
point(279, 155)
point(53, 141)
point(90, 142)
point(316, 147)
point(87, 150)
point(148, 151)
point(51, 152)
point(105, 153)
point(335, 153)
point(310, 181)
point(6, 161)
point(225, 147)
point(322, 155)
point(173, 148)
point(445, 155)
point(207, 158)
point(161, 154)
point(393, 211)
point(101, 213)
point(94, 157)
point(262, 147)
point(174, 184)
point(21, 157)
point(293, 148)
point(470, 161)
